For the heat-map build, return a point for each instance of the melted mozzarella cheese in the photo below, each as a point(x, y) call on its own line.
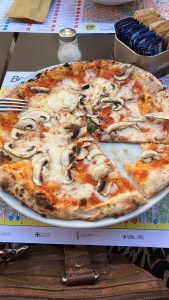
point(55, 145)
point(62, 99)
point(78, 191)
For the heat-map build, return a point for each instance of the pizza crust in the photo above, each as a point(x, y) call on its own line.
point(151, 85)
point(40, 203)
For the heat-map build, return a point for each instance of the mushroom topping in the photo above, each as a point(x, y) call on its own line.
point(66, 157)
point(16, 133)
point(158, 115)
point(118, 126)
point(87, 141)
point(127, 70)
point(39, 89)
point(22, 152)
point(99, 159)
point(149, 155)
point(79, 113)
point(82, 99)
point(78, 132)
point(26, 124)
point(104, 188)
point(99, 172)
point(68, 175)
point(85, 86)
point(82, 154)
point(38, 115)
point(117, 104)
point(134, 119)
point(38, 166)
point(93, 153)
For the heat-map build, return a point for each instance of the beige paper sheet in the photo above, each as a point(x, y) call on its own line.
point(29, 10)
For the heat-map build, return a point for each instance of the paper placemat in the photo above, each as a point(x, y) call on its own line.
point(150, 229)
point(83, 15)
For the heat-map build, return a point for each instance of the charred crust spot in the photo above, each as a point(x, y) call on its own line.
point(66, 65)
point(43, 201)
point(30, 80)
point(37, 76)
point(16, 190)
point(43, 215)
point(13, 176)
point(83, 202)
point(5, 184)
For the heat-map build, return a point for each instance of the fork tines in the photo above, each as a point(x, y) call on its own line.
point(12, 104)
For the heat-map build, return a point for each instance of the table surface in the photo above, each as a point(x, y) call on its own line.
point(30, 52)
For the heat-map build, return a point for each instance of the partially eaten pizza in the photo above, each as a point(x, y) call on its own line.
point(50, 157)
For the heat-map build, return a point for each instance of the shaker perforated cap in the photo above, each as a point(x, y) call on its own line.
point(67, 34)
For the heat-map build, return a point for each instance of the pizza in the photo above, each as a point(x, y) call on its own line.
point(50, 156)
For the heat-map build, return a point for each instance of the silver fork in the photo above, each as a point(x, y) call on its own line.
point(13, 104)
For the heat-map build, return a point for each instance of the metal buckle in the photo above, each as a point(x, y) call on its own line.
point(68, 281)
point(10, 253)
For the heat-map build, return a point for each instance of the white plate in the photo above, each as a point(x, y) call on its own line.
point(112, 2)
point(119, 153)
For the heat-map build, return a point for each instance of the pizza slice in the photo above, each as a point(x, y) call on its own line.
point(151, 172)
point(71, 181)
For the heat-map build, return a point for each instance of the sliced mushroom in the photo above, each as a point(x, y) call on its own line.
point(85, 86)
point(118, 126)
point(134, 119)
point(16, 133)
point(100, 171)
point(38, 115)
point(35, 157)
point(22, 152)
point(99, 159)
point(117, 104)
point(87, 141)
point(38, 166)
point(79, 113)
point(149, 155)
point(93, 153)
point(82, 99)
point(127, 70)
point(82, 154)
point(39, 89)
point(68, 175)
point(78, 132)
point(67, 157)
point(88, 108)
point(103, 187)
point(26, 124)
point(158, 115)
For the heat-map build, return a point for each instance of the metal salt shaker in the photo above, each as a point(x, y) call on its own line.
point(68, 46)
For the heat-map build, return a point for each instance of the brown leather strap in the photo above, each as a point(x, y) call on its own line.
point(78, 266)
